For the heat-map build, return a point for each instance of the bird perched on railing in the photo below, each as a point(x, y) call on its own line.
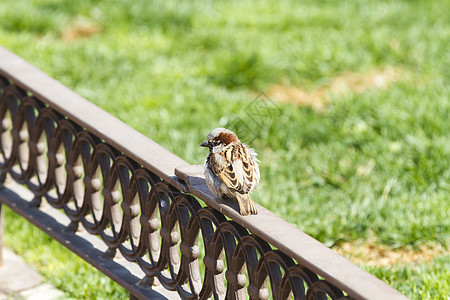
point(231, 168)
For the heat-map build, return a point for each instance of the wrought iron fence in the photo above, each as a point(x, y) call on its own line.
point(150, 205)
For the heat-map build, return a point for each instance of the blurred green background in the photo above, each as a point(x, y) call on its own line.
point(354, 136)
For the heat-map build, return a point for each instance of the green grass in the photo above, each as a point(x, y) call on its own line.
point(174, 71)
point(420, 281)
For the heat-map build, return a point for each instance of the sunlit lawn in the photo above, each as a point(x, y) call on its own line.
point(372, 163)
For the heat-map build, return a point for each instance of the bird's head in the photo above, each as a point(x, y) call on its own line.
point(220, 138)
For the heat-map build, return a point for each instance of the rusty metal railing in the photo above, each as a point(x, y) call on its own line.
point(144, 201)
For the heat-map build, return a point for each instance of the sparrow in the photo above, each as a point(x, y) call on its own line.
point(231, 168)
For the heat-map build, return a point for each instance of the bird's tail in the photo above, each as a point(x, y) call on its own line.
point(246, 205)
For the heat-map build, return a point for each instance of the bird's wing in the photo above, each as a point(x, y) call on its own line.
point(235, 167)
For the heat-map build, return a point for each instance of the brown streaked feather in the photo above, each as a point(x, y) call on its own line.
point(235, 173)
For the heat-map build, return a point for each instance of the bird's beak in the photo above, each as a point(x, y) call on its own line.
point(205, 144)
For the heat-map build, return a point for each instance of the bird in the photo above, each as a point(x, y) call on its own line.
point(231, 169)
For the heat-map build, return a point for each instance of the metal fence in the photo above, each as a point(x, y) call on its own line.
point(81, 166)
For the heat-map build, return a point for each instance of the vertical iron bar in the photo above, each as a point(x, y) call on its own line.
point(1, 235)
point(2, 181)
